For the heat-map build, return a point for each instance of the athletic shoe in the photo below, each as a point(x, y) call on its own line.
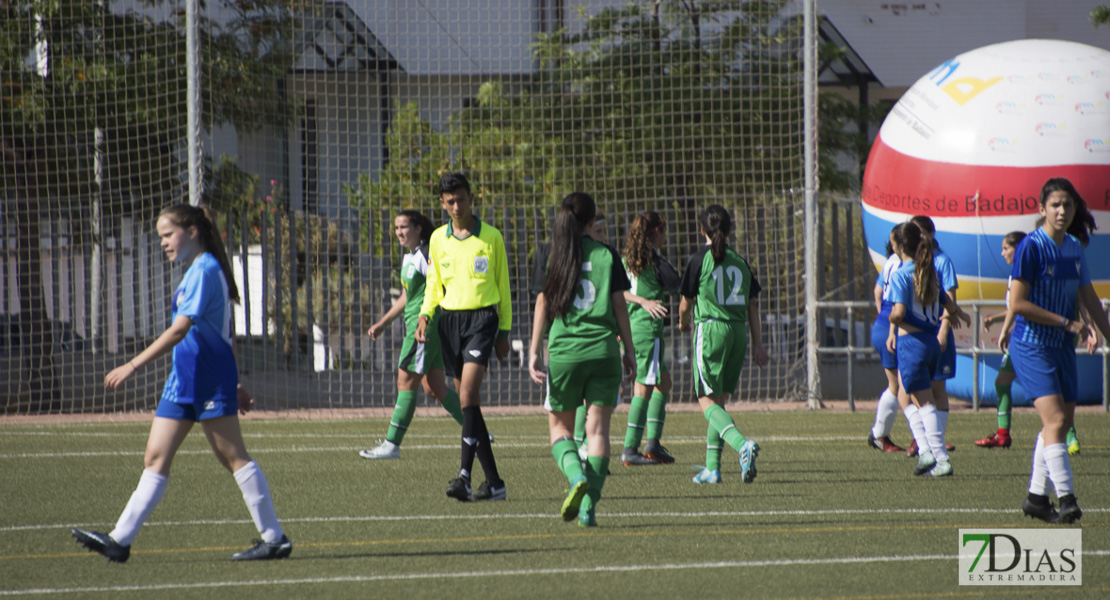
point(949, 447)
point(573, 501)
point(583, 452)
point(489, 491)
point(994, 440)
point(942, 469)
point(587, 518)
point(383, 450)
point(490, 437)
point(1069, 510)
point(266, 551)
point(1038, 507)
point(1073, 447)
point(459, 489)
point(654, 450)
point(707, 476)
point(925, 463)
point(912, 450)
point(631, 457)
point(102, 543)
point(883, 443)
point(749, 451)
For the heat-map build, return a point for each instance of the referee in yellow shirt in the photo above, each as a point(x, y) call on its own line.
point(468, 277)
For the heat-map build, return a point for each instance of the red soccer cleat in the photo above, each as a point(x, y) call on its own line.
point(912, 450)
point(995, 440)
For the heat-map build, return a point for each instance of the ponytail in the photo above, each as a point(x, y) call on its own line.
point(637, 251)
point(565, 265)
point(716, 223)
point(917, 244)
point(208, 234)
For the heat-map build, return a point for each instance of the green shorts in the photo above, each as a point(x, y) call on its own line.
point(649, 359)
point(593, 382)
point(719, 351)
point(1006, 366)
point(418, 358)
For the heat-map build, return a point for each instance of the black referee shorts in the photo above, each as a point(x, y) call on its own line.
point(467, 336)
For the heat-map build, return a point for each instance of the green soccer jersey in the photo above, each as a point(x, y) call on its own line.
point(653, 283)
point(722, 289)
point(414, 272)
point(588, 330)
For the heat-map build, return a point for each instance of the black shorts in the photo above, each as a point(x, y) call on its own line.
point(467, 336)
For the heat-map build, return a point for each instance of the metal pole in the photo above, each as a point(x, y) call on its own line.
point(813, 376)
point(975, 358)
point(192, 100)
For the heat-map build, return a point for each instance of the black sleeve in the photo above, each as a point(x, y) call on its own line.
point(539, 269)
point(666, 273)
point(755, 288)
point(688, 287)
point(618, 279)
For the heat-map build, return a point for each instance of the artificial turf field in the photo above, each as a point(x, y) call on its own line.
point(827, 517)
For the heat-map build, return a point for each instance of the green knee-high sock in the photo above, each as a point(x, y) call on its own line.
point(636, 417)
point(713, 447)
point(597, 467)
point(402, 416)
point(565, 452)
point(580, 425)
point(1072, 436)
point(451, 405)
point(1004, 403)
point(656, 415)
point(724, 425)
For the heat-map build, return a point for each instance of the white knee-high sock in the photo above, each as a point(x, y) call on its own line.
point(256, 493)
point(1059, 468)
point(885, 413)
point(917, 428)
point(146, 496)
point(933, 432)
point(1038, 481)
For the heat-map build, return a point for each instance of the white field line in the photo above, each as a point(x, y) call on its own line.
point(608, 515)
point(596, 570)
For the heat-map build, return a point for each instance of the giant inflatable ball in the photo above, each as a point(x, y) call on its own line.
point(971, 144)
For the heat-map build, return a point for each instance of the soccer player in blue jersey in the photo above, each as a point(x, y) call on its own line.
point(887, 407)
point(1050, 279)
point(919, 304)
point(946, 366)
point(720, 290)
point(202, 387)
point(419, 362)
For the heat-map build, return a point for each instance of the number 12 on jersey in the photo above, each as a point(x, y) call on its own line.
point(736, 278)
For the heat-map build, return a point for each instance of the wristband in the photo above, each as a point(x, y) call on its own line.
point(132, 363)
point(1065, 323)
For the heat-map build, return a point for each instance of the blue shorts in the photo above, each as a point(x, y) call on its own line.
point(211, 409)
point(918, 354)
point(880, 331)
point(946, 364)
point(1045, 371)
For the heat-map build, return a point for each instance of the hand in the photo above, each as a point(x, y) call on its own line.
point(760, 356)
point(891, 341)
point(1004, 341)
point(954, 320)
point(629, 363)
point(501, 347)
point(374, 330)
point(115, 378)
point(656, 309)
point(535, 369)
point(246, 401)
point(421, 328)
point(684, 326)
point(1089, 338)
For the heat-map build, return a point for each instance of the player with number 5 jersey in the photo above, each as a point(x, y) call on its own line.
point(718, 287)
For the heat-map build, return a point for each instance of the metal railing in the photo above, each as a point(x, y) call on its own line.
point(976, 351)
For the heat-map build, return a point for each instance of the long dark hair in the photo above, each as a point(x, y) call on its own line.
point(717, 224)
point(201, 217)
point(916, 244)
point(637, 250)
point(565, 267)
point(1083, 225)
point(1013, 238)
point(418, 219)
point(927, 227)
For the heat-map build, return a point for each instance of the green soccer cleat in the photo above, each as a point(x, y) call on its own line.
point(1073, 447)
point(573, 501)
point(749, 451)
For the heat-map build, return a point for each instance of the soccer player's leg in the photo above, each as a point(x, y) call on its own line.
point(404, 409)
point(887, 407)
point(602, 386)
point(657, 411)
point(435, 383)
point(1002, 389)
point(711, 472)
point(565, 388)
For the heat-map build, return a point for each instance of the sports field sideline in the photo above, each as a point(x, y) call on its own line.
point(827, 516)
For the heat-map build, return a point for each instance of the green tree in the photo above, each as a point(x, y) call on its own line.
point(92, 110)
point(1100, 15)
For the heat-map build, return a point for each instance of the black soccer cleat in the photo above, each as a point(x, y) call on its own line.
point(1038, 507)
point(488, 491)
point(653, 449)
point(103, 544)
point(459, 489)
point(266, 551)
point(1069, 509)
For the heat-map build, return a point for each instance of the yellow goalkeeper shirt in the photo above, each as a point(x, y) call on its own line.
point(469, 273)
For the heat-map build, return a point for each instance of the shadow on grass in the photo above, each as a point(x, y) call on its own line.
point(468, 552)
